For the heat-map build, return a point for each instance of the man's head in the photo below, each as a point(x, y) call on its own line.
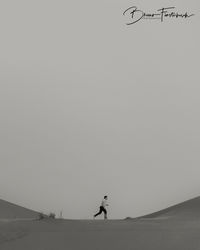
point(105, 197)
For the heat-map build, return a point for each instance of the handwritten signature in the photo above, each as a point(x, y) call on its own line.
point(135, 15)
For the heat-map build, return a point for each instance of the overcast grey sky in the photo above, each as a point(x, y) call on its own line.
point(90, 106)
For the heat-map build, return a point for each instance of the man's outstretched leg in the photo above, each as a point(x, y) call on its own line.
point(100, 211)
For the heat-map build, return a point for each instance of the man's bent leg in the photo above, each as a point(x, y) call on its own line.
point(105, 214)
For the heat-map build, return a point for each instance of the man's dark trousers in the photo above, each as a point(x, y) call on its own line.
point(102, 209)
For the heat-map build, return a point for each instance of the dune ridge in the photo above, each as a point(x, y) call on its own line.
point(10, 211)
point(189, 209)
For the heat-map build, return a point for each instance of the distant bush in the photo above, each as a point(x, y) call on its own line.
point(42, 216)
point(128, 218)
point(52, 216)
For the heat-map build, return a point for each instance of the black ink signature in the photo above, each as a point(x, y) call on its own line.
point(136, 15)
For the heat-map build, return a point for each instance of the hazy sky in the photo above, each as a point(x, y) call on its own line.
point(90, 106)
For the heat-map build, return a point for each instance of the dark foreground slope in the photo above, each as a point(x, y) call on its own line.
point(95, 235)
point(189, 209)
point(9, 211)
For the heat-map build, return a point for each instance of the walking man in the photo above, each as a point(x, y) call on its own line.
point(102, 208)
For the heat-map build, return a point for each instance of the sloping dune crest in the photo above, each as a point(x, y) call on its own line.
point(189, 209)
point(10, 211)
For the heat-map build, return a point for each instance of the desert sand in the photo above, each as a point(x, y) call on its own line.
point(175, 228)
point(10, 211)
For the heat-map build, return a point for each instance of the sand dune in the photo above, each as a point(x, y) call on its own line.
point(147, 233)
point(10, 211)
point(189, 209)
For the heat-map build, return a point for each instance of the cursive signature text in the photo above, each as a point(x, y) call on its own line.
point(135, 15)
